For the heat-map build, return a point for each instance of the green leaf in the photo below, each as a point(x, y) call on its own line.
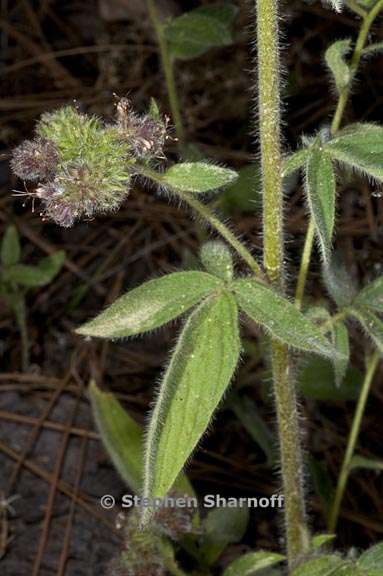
point(216, 258)
point(321, 194)
point(321, 540)
point(371, 324)
point(198, 177)
point(222, 526)
point(359, 146)
point(152, 304)
point(123, 439)
point(281, 318)
point(316, 380)
point(120, 434)
point(373, 49)
point(294, 162)
point(253, 562)
point(246, 411)
point(222, 11)
point(10, 246)
point(245, 195)
point(335, 60)
point(41, 274)
point(338, 281)
point(194, 33)
point(371, 296)
point(372, 560)
point(154, 110)
point(366, 463)
point(324, 566)
point(321, 482)
point(198, 375)
point(342, 344)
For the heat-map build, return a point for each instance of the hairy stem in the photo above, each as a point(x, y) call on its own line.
point(284, 386)
point(371, 367)
point(168, 71)
point(206, 213)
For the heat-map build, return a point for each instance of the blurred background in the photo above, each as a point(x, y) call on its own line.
point(53, 468)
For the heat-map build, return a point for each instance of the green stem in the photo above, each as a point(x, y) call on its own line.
point(367, 22)
point(209, 217)
point(305, 263)
point(168, 71)
point(368, 19)
point(371, 367)
point(284, 386)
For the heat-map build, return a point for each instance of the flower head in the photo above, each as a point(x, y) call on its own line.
point(35, 159)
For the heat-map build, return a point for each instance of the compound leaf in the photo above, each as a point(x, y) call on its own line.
point(198, 375)
point(281, 318)
point(198, 177)
point(151, 305)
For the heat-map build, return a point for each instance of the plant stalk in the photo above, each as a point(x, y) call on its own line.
point(367, 22)
point(284, 386)
point(367, 19)
point(167, 67)
point(206, 213)
point(371, 367)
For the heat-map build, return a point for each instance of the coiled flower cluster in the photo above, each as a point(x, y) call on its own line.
point(83, 166)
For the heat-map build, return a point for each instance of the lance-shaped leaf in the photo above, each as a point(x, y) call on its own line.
point(338, 281)
point(198, 177)
point(281, 318)
point(372, 325)
point(120, 434)
point(371, 296)
point(329, 565)
point(10, 246)
point(41, 274)
point(359, 146)
point(342, 344)
point(199, 372)
point(321, 193)
point(321, 540)
point(335, 60)
point(253, 562)
point(366, 463)
point(123, 439)
point(294, 162)
point(152, 304)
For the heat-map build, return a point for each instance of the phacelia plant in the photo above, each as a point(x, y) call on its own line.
point(83, 166)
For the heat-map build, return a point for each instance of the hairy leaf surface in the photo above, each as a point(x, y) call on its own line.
point(321, 194)
point(335, 60)
point(253, 562)
point(281, 318)
point(371, 296)
point(371, 324)
point(360, 146)
point(152, 304)
point(41, 274)
point(199, 372)
point(198, 177)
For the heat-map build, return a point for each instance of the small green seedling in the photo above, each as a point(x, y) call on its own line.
point(16, 279)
